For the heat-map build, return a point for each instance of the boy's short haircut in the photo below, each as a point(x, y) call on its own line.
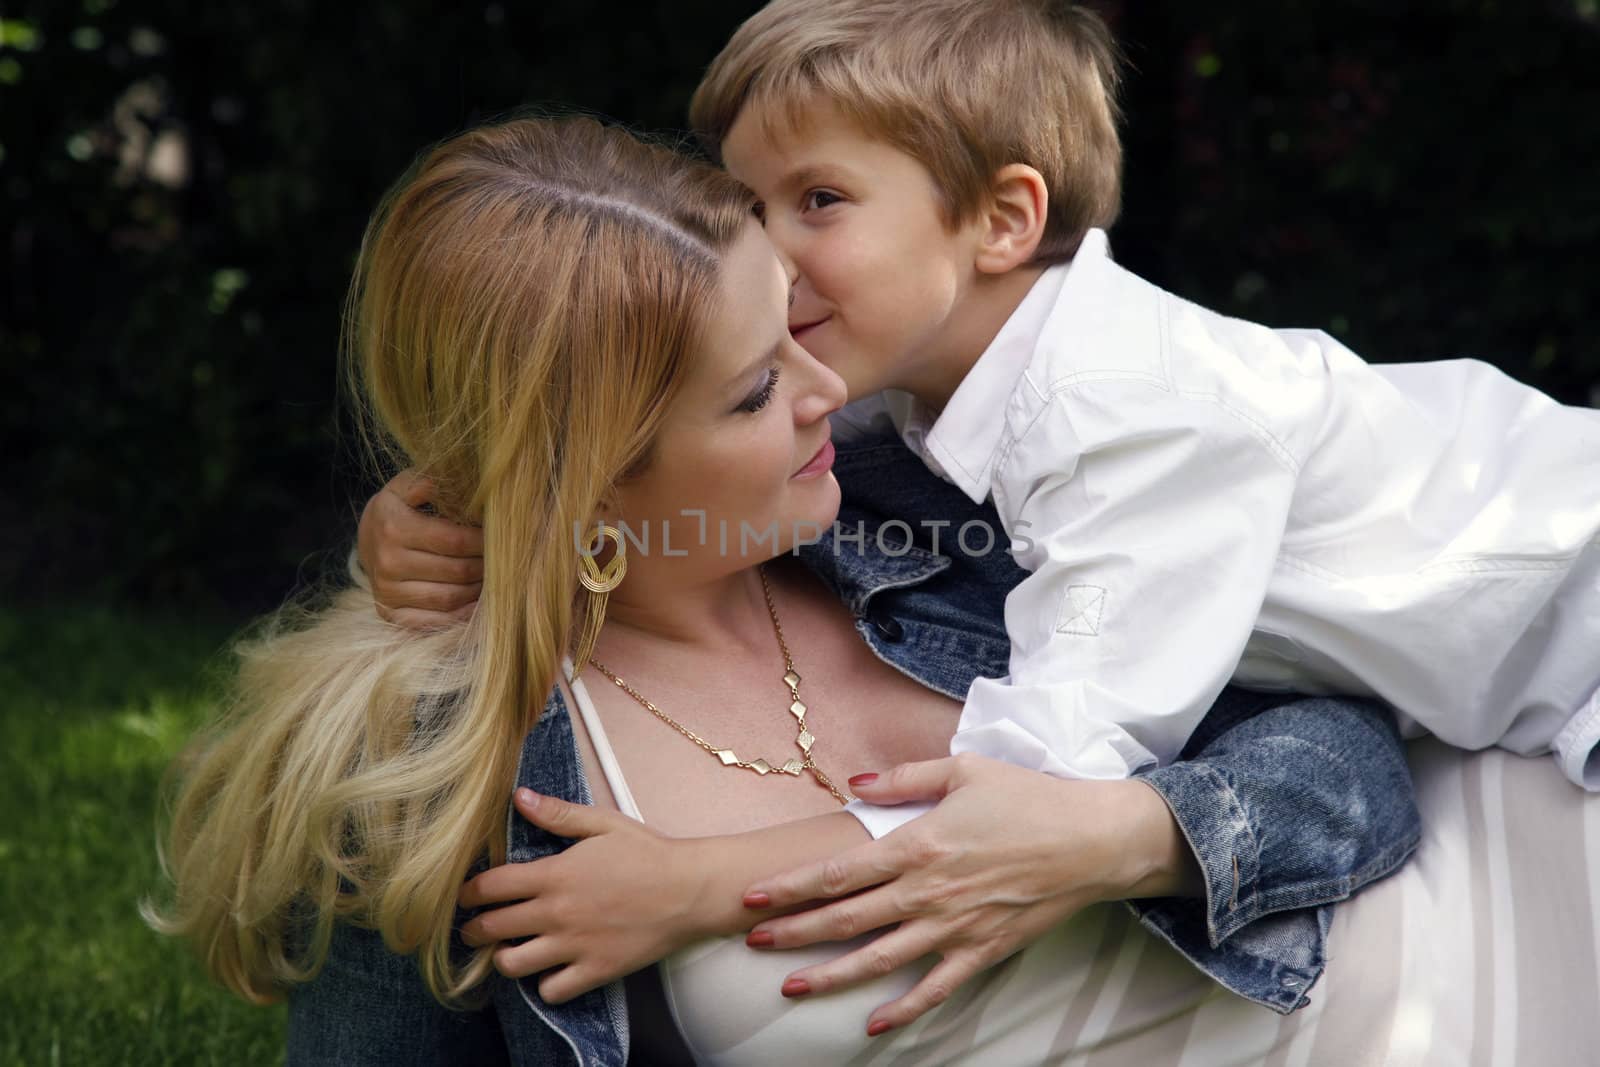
point(963, 86)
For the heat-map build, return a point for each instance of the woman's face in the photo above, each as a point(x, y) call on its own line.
point(741, 469)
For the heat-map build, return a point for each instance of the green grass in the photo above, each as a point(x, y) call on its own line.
point(95, 704)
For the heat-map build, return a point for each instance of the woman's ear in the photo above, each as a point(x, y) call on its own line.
point(1013, 219)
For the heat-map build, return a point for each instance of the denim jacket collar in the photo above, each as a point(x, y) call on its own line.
point(857, 571)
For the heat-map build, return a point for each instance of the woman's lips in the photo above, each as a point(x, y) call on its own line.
point(819, 463)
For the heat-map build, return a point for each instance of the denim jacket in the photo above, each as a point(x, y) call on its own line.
point(1289, 804)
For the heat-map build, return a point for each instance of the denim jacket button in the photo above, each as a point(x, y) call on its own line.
point(888, 628)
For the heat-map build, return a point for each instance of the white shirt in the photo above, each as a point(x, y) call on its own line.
point(1200, 499)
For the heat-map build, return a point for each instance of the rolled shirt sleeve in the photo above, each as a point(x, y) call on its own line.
point(1577, 747)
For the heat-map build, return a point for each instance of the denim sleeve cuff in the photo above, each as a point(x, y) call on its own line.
point(1276, 973)
point(1222, 839)
point(1273, 963)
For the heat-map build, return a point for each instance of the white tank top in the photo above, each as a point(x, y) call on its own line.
point(724, 995)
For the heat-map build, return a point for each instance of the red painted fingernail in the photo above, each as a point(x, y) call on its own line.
point(879, 1027)
point(796, 987)
point(757, 900)
point(862, 779)
point(758, 939)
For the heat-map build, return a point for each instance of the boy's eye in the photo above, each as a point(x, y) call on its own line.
point(817, 199)
point(762, 396)
point(759, 210)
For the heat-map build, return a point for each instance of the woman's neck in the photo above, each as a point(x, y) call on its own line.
point(658, 611)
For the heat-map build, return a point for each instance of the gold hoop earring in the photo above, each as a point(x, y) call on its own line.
point(599, 581)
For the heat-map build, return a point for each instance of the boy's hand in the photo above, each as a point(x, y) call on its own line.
point(426, 571)
point(620, 899)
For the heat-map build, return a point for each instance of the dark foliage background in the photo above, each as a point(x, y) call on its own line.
point(183, 185)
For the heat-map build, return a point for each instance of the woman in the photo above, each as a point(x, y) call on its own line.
point(561, 327)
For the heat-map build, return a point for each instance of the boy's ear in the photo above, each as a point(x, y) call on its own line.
point(1013, 219)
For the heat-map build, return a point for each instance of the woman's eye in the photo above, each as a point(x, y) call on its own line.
point(762, 396)
point(818, 199)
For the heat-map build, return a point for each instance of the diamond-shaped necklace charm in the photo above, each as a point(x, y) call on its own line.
point(804, 740)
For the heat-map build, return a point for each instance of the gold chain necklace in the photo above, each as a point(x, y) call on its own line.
point(803, 740)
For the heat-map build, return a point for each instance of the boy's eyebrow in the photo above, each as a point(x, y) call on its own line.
point(806, 175)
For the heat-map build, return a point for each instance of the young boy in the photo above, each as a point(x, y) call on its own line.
point(1197, 498)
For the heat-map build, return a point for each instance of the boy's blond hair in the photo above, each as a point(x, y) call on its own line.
point(963, 86)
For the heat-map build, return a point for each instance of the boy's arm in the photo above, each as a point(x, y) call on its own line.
point(425, 570)
point(1150, 543)
point(1150, 554)
point(624, 896)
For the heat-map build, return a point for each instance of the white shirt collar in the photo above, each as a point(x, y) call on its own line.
point(961, 442)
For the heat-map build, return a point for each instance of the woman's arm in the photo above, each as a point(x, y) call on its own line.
point(1307, 800)
point(1286, 804)
point(1007, 854)
point(625, 896)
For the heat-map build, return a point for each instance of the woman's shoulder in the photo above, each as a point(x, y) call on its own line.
point(549, 761)
point(558, 759)
point(369, 1005)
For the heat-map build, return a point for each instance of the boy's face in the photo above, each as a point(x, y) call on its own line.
point(880, 275)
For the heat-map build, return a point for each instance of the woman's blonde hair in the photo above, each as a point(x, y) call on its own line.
point(524, 302)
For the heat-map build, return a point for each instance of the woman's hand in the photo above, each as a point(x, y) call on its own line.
point(426, 571)
point(621, 898)
point(1007, 854)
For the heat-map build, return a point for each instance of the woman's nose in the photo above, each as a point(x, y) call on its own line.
point(825, 393)
point(778, 234)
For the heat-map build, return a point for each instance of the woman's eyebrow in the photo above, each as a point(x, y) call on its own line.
point(749, 370)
